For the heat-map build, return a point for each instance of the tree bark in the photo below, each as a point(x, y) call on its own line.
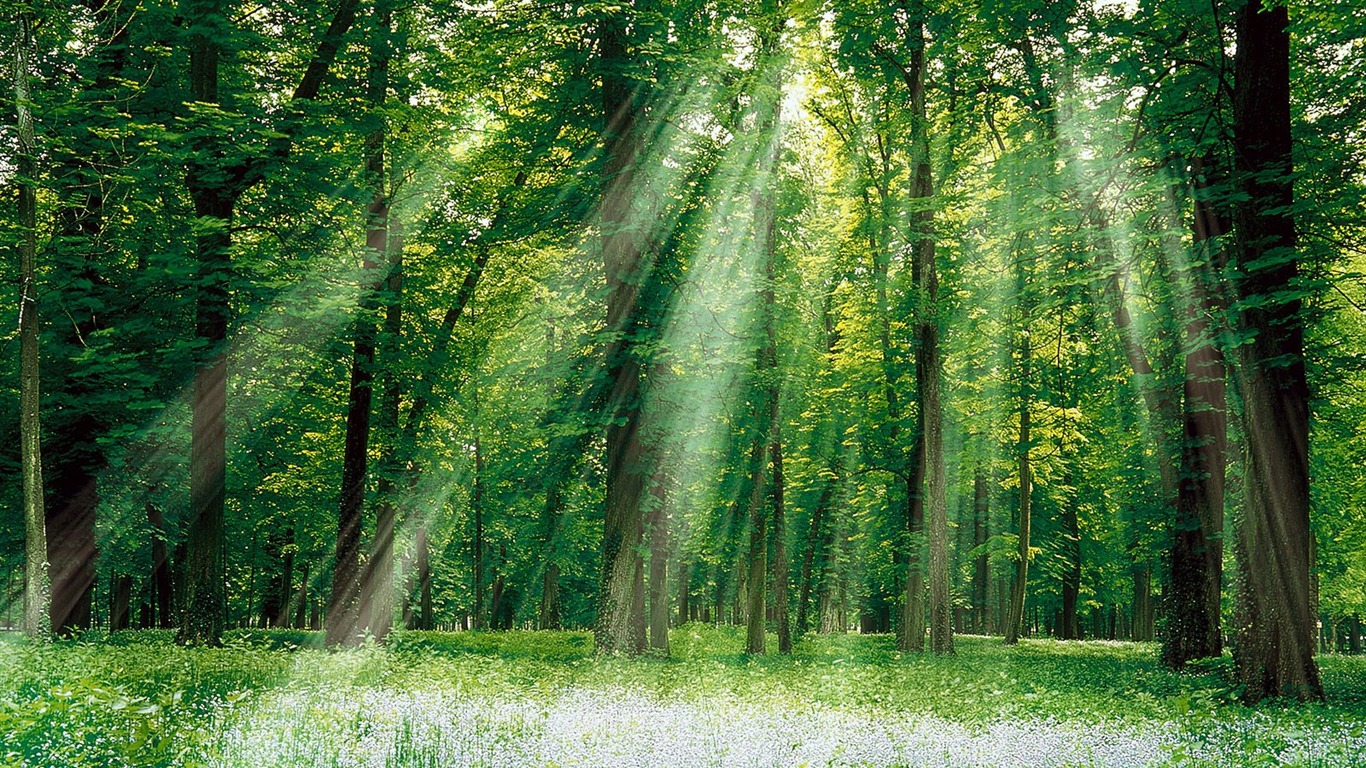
point(659, 563)
point(1015, 610)
point(477, 546)
point(1192, 628)
point(780, 564)
point(37, 589)
point(120, 601)
point(215, 183)
point(684, 591)
point(1274, 655)
point(623, 266)
point(929, 365)
point(757, 560)
point(981, 533)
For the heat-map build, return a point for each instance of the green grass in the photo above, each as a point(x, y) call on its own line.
point(544, 698)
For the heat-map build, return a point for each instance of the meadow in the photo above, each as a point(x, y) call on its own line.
point(545, 699)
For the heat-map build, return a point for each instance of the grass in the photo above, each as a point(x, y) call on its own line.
point(545, 699)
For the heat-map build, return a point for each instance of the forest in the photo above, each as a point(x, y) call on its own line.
point(563, 349)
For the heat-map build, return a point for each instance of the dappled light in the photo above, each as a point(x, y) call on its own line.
point(683, 382)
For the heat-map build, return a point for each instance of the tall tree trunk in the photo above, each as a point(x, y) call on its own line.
point(1193, 588)
point(1015, 610)
point(929, 366)
point(549, 613)
point(624, 268)
point(424, 582)
point(1274, 655)
point(215, 183)
point(284, 589)
point(815, 539)
point(1143, 602)
point(300, 601)
point(204, 606)
point(37, 594)
point(347, 614)
point(382, 237)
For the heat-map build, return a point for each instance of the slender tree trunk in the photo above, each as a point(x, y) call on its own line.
point(425, 620)
point(780, 564)
point(683, 580)
point(161, 568)
point(1274, 655)
point(383, 237)
point(1071, 580)
point(817, 539)
point(981, 566)
point(285, 588)
point(37, 590)
point(757, 561)
point(300, 601)
point(477, 546)
point(659, 564)
point(348, 615)
point(1015, 612)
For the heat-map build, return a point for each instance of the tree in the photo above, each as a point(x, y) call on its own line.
point(1274, 655)
point(621, 622)
point(347, 612)
point(37, 591)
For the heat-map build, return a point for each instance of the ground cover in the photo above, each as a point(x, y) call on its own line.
point(545, 699)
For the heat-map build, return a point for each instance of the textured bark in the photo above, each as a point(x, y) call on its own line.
point(1274, 655)
point(37, 594)
point(549, 612)
point(659, 564)
point(375, 587)
point(1193, 593)
point(215, 183)
point(615, 629)
point(929, 365)
point(204, 602)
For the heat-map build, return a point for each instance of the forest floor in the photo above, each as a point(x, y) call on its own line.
point(544, 699)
